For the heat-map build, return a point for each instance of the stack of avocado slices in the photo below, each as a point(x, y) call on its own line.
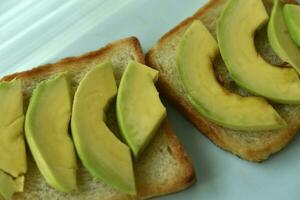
point(13, 162)
point(267, 83)
point(53, 109)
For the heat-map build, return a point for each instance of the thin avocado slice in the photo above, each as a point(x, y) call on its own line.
point(13, 165)
point(100, 151)
point(280, 39)
point(235, 31)
point(139, 109)
point(10, 185)
point(292, 19)
point(195, 55)
point(46, 130)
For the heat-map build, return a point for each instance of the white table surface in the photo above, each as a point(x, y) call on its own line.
point(33, 32)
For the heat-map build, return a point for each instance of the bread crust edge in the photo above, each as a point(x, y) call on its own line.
point(202, 124)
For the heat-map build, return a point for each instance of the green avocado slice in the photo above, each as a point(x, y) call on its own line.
point(46, 130)
point(139, 109)
point(9, 185)
point(292, 18)
point(195, 55)
point(12, 165)
point(235, 31)
point(280, 39)
point(100, 151)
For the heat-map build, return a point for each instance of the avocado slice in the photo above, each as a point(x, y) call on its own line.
point(10, 185)
point(46, 130)
point(100, 151)
point(291, 13)
point(195, 55)
point(280, 39)
point(235, 31)
point(12, 166)
point(139, 109)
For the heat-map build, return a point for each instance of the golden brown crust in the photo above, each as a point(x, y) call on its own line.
point(88, 56)
point(257, 154)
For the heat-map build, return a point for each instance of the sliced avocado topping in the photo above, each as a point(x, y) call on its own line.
point(292, 19)
point(100, 151)
point(195, 55)
point(46, 129)
point(139, 109)
point(9, 185)
point(12, 165)
point(280, 39)
point(235, 30)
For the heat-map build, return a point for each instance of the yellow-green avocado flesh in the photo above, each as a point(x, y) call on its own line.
point(235, 31)
point(139, 109)
point(10, 185)
point(280, 39)
point(292, 19)
point(46, 130)
point(195, 55)
point(100, 151)
point(13, 163)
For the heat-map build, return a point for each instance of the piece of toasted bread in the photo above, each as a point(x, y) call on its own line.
point(252, 146)
point(163, 168)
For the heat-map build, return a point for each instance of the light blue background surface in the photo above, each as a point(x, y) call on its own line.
point(36, 32)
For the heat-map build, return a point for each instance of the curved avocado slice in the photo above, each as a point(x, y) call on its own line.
point(100, 151)
point(46, 130)
point(9, 185)
point(139, 109)
point(280, 39)
point(195, 55)
point(292, 18)
point(235, 30)
point(12, 165)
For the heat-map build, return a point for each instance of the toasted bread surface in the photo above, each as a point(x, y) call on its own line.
point(253, 146)
point(163, 168)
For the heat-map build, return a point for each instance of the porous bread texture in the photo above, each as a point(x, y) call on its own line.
point(164, 166)
point(253, 146)
point(159, 171)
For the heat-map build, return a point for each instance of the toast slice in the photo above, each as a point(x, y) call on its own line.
point(164, 166)
point(252, 146)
